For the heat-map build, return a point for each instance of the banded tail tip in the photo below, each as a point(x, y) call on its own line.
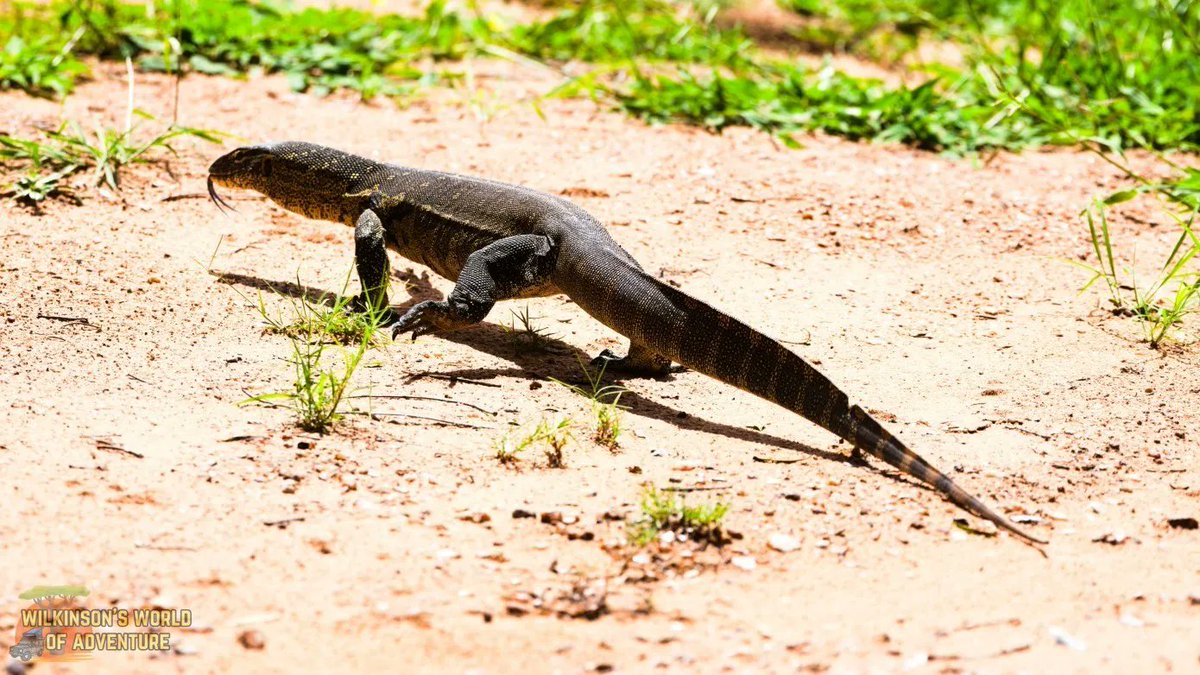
point(867, 434)
point(1007, 525)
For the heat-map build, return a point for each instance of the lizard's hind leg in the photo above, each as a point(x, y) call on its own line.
point(640, 361)
point(506, 268)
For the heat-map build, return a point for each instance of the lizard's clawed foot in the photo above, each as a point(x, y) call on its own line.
point(607, 360)
point(857, 458)
point(425, 318)
point(611, 363)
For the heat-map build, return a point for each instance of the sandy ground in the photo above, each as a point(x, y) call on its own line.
point(931, 289)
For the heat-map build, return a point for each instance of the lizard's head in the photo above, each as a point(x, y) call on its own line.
point(312, 180)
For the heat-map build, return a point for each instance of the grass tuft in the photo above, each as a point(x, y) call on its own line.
point(46, 163)
point(606, 406)
point(314, 330)
point(1174, 290)
point(330, 321)
point(527, 336)
point(665, 511)
point(555, 436)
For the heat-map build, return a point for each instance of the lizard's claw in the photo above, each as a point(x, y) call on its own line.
point(424, 318)
point(362, 304)
point(634, 364)
point(604, 359)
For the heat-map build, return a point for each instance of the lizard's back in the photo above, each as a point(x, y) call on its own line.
point(439, 219)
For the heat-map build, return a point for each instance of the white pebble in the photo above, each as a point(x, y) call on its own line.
point(783, 543)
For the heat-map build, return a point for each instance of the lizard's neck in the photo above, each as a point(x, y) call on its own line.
point(322, 183)
point(343, 208)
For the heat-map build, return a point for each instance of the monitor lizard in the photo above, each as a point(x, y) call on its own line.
point(498, 241)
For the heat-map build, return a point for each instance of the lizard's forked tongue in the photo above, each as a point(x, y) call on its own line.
point(216, 198)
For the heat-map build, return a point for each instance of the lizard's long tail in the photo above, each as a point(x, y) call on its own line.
point(714, 343)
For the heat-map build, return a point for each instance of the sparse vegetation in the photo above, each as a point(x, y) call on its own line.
point(608, 423)
point(527, 336)
point(398, 526)
point(42, 68)
point(1103, 75)
point(46, 163)
point(330, 319)
point(606, 406)
point(556, 438)
point(314, 330)
point(554, 435)
point(319, 50)
point(1174, 289)
point(319, 389)
point(1122, 73)
point(666, 511)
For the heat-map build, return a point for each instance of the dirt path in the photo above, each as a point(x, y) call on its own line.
point(927, 287)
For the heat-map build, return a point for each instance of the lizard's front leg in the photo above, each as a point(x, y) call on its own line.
point(500, 270)
point(371, 259)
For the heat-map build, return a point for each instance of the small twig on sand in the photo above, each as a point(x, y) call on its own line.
point(284, 522)
point(772, 460)
point(425, 398)
point(377, 415)
point(81, 320)
point(454, 379)
point(699, 488)
point(105, 444)
point(241, 437)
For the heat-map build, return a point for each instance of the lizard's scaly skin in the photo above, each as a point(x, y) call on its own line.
point(501, 241)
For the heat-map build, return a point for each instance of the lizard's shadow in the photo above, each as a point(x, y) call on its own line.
point(553, 359)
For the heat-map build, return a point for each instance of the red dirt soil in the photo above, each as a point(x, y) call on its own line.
point(930, 289)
